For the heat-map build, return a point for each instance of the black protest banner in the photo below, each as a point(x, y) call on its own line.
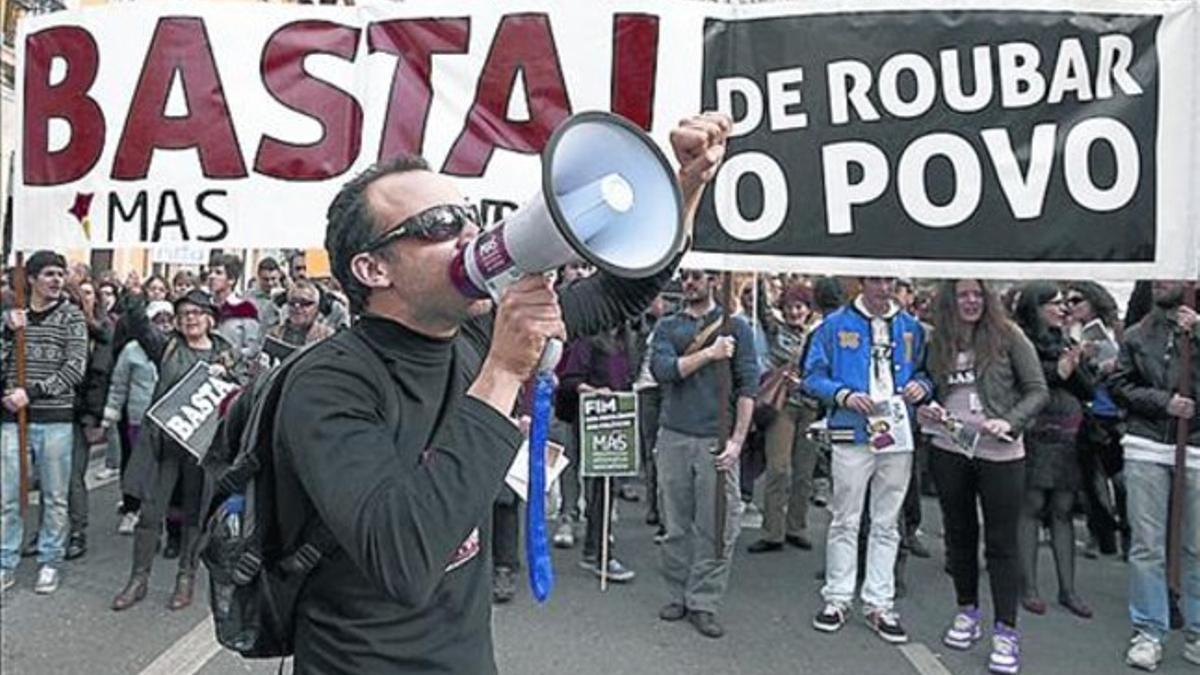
point(188, 412)
point(991, 136)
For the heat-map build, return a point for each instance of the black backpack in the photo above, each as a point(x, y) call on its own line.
point(253, 583)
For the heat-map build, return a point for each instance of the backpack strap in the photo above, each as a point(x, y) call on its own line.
point(319, 543)
point(702, 337)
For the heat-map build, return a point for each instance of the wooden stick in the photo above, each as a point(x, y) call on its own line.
point(604, 534)
point(1182, 431)
point(23, 414)
point(724, 423)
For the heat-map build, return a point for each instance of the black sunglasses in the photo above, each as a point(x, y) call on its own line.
point(1075, 300)
point(437, 223)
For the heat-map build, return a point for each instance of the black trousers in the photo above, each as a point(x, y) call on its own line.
point(1106, 511)
point(649, 409)
point(963, 484)
point(77, 496)
point(128, 433)
point(594, 534)
point(506, 530)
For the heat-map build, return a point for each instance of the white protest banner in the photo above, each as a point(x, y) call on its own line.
point(1043, 138)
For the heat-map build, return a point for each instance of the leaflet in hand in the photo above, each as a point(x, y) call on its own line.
point(962, 436)
point(518, 473)
point(889, 429)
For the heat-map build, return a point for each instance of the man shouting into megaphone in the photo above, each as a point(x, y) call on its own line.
point(396, 435)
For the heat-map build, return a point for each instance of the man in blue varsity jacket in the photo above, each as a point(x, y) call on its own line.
point(865, 363)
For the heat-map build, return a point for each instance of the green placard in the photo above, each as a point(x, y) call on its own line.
point(608, 434)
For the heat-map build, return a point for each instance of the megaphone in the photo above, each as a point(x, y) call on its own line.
point(608, 197)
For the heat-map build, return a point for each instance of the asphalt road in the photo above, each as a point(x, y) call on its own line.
point(582, 631)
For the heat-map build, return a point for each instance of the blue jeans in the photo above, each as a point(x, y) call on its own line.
point(1149, 486)
point(51, 446)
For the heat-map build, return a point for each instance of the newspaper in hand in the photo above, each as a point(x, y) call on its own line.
point(1106, 347)
point(888, 428)
point(963, 435)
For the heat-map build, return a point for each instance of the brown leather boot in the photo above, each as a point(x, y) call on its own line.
point(184, 585)
point(145, 542)
point(133, 593)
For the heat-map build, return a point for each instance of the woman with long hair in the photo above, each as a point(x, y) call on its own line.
point(1052, 470)
point(988, 388)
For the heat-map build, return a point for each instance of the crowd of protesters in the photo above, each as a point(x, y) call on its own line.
point(99, 353)
point(1054, 401)
point(1027, 408)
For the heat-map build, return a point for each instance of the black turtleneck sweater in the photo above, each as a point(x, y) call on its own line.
point(408, 499)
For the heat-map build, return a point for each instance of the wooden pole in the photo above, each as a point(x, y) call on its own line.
point(604, 533)
point(19, 291)
point(724, 421)
point(1182, 431)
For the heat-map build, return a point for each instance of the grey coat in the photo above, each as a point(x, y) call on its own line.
point(177, 360)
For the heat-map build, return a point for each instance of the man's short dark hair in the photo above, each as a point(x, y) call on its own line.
point(43, 259)
point(351, 225)
point(267, 264)
point(230, 263)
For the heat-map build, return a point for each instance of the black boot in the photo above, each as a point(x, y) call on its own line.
point(76, 546)
point(145, 544)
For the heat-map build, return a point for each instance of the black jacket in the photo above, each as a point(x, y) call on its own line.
point(407, 499)
point(93, 391)
point(1147, 376)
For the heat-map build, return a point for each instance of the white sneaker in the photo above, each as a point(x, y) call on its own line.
point(564, 536)
point(1144, 652)
point(752, 517)
point(1191, 649)
point(47, 581)
point(105, 473)
point(129, 522)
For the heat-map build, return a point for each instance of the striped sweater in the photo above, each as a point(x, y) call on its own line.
point(55, 361)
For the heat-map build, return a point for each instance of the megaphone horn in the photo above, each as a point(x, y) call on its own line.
point(608, 197)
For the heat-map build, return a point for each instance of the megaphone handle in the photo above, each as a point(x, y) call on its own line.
point(551, 355)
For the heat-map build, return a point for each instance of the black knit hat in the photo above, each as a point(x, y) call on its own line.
point(198, 298)
point(43, 259)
